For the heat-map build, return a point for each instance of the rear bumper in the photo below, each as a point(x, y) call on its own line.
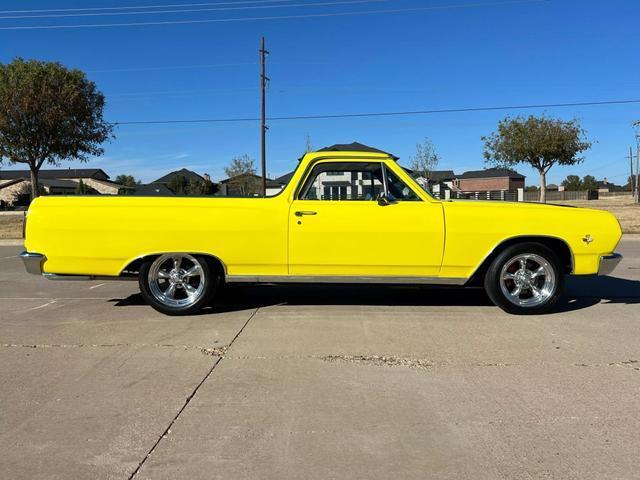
point(608, 263)
point(33, 262)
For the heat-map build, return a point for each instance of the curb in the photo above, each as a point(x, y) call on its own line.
point(10, 242)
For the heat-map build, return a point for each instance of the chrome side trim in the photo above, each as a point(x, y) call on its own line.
point(86, 278)
point(608, 263)
point(344, 279)
point(32, 262)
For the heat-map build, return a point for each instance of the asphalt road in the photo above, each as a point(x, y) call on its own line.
point(318, 383)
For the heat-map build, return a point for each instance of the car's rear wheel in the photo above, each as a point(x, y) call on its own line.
point(525, 279)
point(177, 283)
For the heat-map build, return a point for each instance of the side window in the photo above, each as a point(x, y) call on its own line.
point(399, 189)
point(346, 181)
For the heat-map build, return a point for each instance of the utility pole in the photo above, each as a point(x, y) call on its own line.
point(263, 126)
point(638, 172)
point(631, 178)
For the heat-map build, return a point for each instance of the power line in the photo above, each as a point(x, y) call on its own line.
point(382, 114)
point(196, 66)
point(276, 17)
point(172, 67)
point(192, 10)
point(141, 7)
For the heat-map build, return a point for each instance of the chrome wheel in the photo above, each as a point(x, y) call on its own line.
point(528, 280)
point(177, 280)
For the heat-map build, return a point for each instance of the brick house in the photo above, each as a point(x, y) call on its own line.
point(491, 179)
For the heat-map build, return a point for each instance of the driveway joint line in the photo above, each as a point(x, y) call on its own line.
point(189, 398)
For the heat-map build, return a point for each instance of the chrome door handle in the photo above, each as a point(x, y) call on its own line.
point(307, 212)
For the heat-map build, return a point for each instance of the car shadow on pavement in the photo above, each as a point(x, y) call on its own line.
point(580, 293)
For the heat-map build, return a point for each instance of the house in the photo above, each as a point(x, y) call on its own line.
point(605, 186)
point(15, 185)
point(152, 190)
point(173, 183)
point(188, 175)
point(247, 185)
point(283, 180)
point(490, 179)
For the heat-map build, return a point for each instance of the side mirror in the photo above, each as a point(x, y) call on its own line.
point(385, 199)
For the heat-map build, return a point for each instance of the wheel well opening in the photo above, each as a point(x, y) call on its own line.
point(557, 246)
point(133, 268)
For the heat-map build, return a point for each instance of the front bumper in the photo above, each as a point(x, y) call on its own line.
point(32, 262)
point(608, 263)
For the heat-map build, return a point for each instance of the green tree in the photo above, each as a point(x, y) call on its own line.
point(127, 180)
point(81, 188)
point(589, 182)
point(179, 185)
point(49, 113)
point(207, 187)
point(84, 189)
point(572, 183)
point(540, 142)
point(242, 176)
point(425, 160)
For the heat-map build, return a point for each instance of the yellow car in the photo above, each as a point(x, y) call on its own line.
point(345, 217)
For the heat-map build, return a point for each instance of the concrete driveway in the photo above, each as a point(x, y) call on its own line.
point(317, 383)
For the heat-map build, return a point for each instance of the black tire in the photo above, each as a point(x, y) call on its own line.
point(208, 276)
point(549, 285)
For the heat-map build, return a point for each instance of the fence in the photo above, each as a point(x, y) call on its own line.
point(615, 194)
point(498, 195)
point(501, 195)
point(554, 195)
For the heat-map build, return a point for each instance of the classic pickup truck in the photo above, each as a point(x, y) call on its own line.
point(344, 217)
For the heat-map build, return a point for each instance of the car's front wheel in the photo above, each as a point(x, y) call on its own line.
point(525, 279)
point(177, 283)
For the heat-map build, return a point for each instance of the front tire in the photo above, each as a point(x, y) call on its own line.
point(525, 279)
point(177, 283)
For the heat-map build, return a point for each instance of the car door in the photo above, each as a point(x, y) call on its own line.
point(337, 225)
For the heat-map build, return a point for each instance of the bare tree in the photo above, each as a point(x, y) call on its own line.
point(242, 176)
point(425, 160)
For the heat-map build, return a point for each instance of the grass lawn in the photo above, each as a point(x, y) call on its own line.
point(627, 212)
point(10, 226)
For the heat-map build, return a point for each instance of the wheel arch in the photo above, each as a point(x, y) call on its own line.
point(132, 268)
point(559, 246)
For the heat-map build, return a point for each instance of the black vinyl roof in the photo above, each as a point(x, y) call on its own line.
point(354, 147)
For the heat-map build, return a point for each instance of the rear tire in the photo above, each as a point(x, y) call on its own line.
point(525, 279)
point(177, 283)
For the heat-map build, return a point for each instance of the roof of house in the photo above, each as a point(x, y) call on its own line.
point(95, 173)
point(441, 175)
point(152, 189)
point(12, 182)
point(354, 147)
point(183, 172)
point(492, 173)
point(270, 182)
point(284, 179)
point(58, 183)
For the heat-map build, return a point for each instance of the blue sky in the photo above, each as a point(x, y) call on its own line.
point(469, 54)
